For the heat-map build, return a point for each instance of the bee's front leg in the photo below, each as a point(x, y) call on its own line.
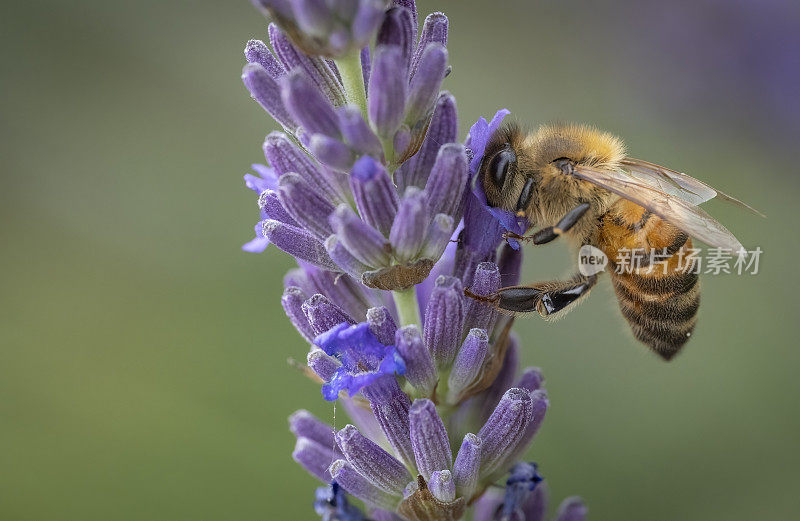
point(549, 233)
point(549, 299)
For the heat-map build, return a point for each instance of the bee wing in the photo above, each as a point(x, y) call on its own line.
point(677, 184)
point(676, 210)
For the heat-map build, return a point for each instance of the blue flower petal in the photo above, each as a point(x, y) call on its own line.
point(364, 359)
point(479, 135)
point(267, 179)
point(258, 244)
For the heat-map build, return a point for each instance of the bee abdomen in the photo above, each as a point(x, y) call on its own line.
point(661, 310)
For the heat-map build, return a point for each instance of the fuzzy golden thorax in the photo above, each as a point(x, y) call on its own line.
point(531, 156)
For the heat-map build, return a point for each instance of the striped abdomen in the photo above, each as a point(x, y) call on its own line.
point(653, 276)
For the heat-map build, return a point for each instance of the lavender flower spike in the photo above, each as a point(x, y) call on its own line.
point(370, 191)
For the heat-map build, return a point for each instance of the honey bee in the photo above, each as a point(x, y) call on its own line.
point(577, 181)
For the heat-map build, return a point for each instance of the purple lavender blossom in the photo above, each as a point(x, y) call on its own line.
point(366, 187)
point(356, 130)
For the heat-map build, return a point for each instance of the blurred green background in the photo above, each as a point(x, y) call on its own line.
point(143, 364)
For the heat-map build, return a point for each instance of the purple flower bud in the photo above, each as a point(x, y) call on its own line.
point(531, 379)
point(359, 486)
point(306, 205)
point(539, 405)
point(272, 208)
point(309, 106)
point(444, 320)
point(504, 429)
point(312, 67)
point(434, 30)
point(364, 242)
point(442, 486)
point(398, 29)
point(467, 466)
point(374, 194)
point(387, 90)
point(372, 462)
point(510, 264)
point(357, 133)
point(382, 325)
point(292, 302)
point(424, 87)
point(303, 424)
point(448, 180)
point(429, 438)
point(332, 152)
point(420, 371)
point(468, 363)
point(298, 243)
point(323, 314)
point(257, 51)
point(439, 234)
point(485, 282)
point(572, 509)
point(410, 228)
point(443, 128)
point(323, 365)
point(265, 90)
point(285, 157)
point(314, 457)
point(343, 258)
point(391, 412)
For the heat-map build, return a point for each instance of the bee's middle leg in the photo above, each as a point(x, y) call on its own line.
point(549, 298)
point(549, 233)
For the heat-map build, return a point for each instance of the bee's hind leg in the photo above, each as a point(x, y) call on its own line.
point(549, 233)
point(549, 299)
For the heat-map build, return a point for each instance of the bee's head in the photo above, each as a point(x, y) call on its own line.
point(502, 170)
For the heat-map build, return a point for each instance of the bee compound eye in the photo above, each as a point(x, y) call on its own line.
point(498, 167)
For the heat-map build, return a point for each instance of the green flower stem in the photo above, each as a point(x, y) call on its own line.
point(353, 79)
point(407, 306)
